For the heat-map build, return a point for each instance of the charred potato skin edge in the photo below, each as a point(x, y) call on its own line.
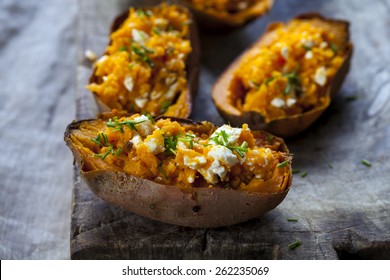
point(192, 64)
point(193, 207)
point(288, 126)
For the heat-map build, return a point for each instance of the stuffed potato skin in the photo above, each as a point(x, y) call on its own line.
point(193, 207)
point(293, 124)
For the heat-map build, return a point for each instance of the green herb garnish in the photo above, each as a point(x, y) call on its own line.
point(170, 50)
point(97, 140)
point(143, 13)
point(118, 126)
point(162, 171)
point(268, 80)
point(222, 138)
point(333, 47)
point(118, 152)
point(292, 82)
point(295, 171)
point(123, 49)
point(306, 47)
point(304, 174)
point(131, 65)
point(366, 162)
point(187, 138)
point(150, 118)
point(292, 220)
point(294, 245)
point(147, 50)
point(141, 53)
point(156, 31)
point(270, 137)
point(256, 84)
point(164, 106)
point(170, 143)
point(283, 164)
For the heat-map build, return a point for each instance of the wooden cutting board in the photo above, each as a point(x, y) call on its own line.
point(342, 206)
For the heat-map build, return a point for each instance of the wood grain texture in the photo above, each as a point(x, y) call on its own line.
point(342, 206)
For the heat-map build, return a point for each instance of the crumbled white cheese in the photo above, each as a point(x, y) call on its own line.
point(161, 21)
point(267, 150)
point(190, 179)
point(194, 162)
point(90, 55)
point(233, 134)
point(105, 78)
point(153, 146)
point(242, 5)
point(170, 79)
point(140, 102)
point(285, 52)
point(140, 36)
point(224, 155)
point(208, 175)
point(172, 91)
point(323, 45)
point(144, 128)
point(291, 101)
point(278, 102)
point(258, 176)
point(320, 76)
point(103, 58)
point(307, 43)
point(309, 55)
point(136, 140)
point(155, 95)
point(128, 83)
point(218, 169)
point(180, 55)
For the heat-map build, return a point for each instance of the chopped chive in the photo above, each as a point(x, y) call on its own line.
point(96, 140)
point(156, 31)
point(123, 49)
point(333, 47)
point(131, 65)
point(295, 171)
point(170, 50)
point(118, 152)
point(304, 174)
point(105, 139)
point(150, 118)
point(294, 245)
point(141, 53)
point(143, 13)
point(268, 80)
point(292, 220)
point(162, 171)
point(256, 84)
point(306, 47)
point(225, 136)
point(164, 106)
point(270, 137)
point(147, 50)
point(366, 162)
point(292, 82)
point(283, 164)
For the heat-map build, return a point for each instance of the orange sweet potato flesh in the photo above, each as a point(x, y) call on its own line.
point(182, 107)
point(200, 207)
point(294, 124)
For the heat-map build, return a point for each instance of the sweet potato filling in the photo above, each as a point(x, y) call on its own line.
point(290, 72)
point(225, 7)
point(185, 155)
point(144, 66)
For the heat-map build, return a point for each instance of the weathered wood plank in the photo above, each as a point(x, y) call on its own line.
point(342, 212)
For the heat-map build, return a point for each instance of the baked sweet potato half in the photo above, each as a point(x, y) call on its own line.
point(179, 171)
point(287, 78)
point(151, 64)
point(225, 15)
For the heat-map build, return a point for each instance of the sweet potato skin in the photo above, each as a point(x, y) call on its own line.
point(187, 97)
point(191, 207)
point(292, 125)
point(215, 23)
